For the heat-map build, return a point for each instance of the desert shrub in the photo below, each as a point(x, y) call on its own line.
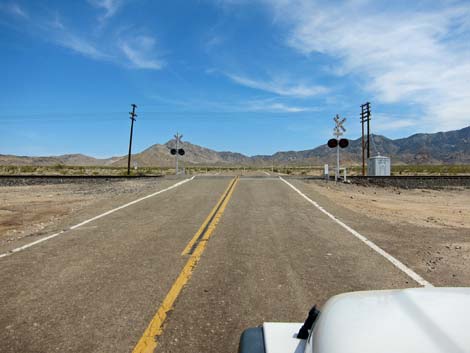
point(27, 169)
point(58, 166)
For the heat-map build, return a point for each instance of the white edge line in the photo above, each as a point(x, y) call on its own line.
point(397, 263)
point(93, 219)
point(266, 173)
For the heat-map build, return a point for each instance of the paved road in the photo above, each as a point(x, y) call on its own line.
point(269, 258)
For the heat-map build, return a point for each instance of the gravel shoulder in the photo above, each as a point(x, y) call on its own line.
point(429, 231)
point(420, 207)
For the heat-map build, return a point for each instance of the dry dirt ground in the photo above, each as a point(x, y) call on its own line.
point(33, 209)
point(420, 207)
point(427, 229)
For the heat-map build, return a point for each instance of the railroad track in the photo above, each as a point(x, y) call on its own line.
point(407, 181)
point(414, 181)
point(7, 180)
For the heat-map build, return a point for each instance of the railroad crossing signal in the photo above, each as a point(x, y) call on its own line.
point(339, 129)
point(343, 143)
point(177, 151)
point(338, 143)
point(178, 137)
point(180, 151)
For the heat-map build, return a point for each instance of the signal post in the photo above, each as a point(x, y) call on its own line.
point(338, 143)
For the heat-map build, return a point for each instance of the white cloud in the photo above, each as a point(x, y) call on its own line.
point(79, 45)
point(270, 106)
point(403, 55)
point(279, 87)
point(15, 9)
point(215, 41)
point(140, 52)
point(53, 30)
point(110, 7)
point(385, 123)
point(56, 22)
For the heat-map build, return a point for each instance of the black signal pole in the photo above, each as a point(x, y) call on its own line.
point(133, 115)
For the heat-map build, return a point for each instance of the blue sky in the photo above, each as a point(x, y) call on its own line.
point(254, 76)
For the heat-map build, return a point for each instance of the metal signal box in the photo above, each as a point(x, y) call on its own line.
point(378, 166)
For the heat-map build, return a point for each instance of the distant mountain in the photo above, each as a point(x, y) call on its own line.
point(194, 154)
point(451, 147)
point(66, 159)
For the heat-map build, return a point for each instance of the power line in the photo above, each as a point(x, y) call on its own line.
point(159, 115)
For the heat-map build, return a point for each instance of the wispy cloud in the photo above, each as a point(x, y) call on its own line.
point(79, 45)
point(14, 9)
point(54, 30)
point(383, 123)
point(140, 52)
point(279, 87)
point(110, 7)
point(56, 22)
point(214, 41)
point(273, 106)
point(403, 55)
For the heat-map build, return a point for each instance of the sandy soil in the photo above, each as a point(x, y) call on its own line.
point(428, 230)
point(425, 208)
point(28, 210)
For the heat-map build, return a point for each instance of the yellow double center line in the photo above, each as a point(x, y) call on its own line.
point(195, 248)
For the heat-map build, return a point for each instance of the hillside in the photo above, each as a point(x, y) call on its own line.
point(66, 159)
point(451, 147)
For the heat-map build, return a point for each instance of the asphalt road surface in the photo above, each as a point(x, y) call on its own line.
point(258, 251)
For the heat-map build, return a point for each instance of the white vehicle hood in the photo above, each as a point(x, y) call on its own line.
point(281, 337)
point(418, 320)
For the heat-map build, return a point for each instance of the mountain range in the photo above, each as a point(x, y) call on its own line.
point(451, 147)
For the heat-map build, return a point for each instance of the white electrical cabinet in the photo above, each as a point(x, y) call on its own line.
point(378, 166)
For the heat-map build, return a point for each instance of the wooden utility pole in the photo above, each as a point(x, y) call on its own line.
point(133, 116)
point(365, 117)
point(362, 150)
